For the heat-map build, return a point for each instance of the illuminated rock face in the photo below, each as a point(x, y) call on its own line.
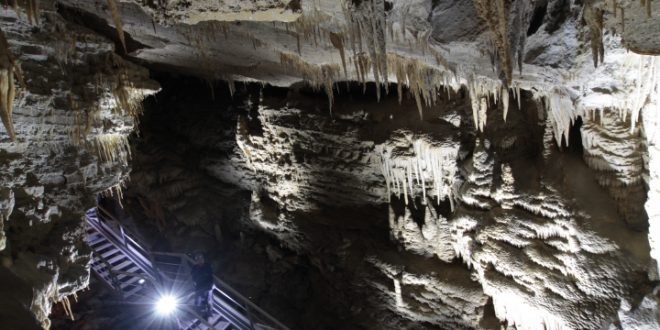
point(425, 222)
point(456, 198)
point(71, 143)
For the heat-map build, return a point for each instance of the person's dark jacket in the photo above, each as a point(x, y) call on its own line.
point(202, 275)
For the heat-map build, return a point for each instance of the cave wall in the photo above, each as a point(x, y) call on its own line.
point(422, 223)
point(465, 191)
point(71, 119)
point(577, 56)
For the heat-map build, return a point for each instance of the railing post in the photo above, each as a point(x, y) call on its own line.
point(248, 311)
point(123, 235)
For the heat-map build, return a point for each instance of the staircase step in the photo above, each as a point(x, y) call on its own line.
point(101, 245)
point(103, 248)
point(133, 291)
point(128, 262)
point(132, 280)
point(223, 325)
point(114, 265)
point(133, 269)
point(116, 258)
point(93, 238)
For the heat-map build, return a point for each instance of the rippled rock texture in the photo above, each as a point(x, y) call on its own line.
point(427, 223)
point(71, 118)
point(510, 177)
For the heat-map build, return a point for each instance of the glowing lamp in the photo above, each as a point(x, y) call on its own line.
point(166, 305)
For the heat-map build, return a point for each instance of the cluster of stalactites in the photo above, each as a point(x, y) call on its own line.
point(594, 17)
point(424, 81)
point(318, 76)
point(484, 91)
point(561, 112)
point(421, 167)
point(112, 147)
point(495, 13)
point(366, 24)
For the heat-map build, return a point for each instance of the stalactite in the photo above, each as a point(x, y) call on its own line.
point(128, 99)
point(8, 71)
point(561, 112)
point(66, 305)
point(307, 27)
point(523, 10)
point(482, 90)
point(420, 166)
point(594, 18)
point(379, 25)
point(231, 85)
point(31, 9)
point(367, 22)
point(317, 76)
point(112, 147)
point(646, 4)
point(338, 42)
point(362, 63)
point(118, 24)
point(623, 20)
point(494, 12)
point(423, 81)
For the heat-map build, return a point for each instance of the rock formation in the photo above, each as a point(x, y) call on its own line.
point(72, 115)
point(363, 163)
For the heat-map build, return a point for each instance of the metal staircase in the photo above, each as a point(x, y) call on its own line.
point(141, 276)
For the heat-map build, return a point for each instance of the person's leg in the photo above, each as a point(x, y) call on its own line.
point(199, 299)
point(209, 302)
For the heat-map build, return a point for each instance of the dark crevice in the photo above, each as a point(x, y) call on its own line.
point(537, 19)
point(557, 15)
point(574, 138)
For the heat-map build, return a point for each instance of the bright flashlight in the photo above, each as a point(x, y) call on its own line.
point(166, 305)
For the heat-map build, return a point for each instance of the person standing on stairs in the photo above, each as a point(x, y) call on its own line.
point(202, 275)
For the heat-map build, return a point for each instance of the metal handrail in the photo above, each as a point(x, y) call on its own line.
point(238, 299)
point(126, 243)
point(143, 263)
